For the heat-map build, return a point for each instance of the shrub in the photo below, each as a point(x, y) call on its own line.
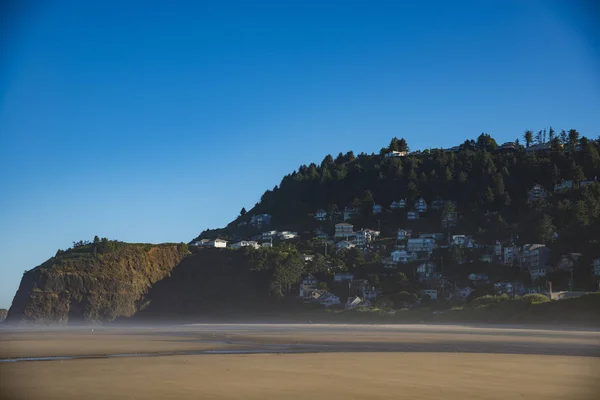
point(535, 298)
point(488, 299)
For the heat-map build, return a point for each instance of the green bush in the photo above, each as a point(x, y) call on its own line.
point(488, 299)
point(535, 298)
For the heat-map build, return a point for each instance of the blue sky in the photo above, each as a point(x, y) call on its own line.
point(150, 124)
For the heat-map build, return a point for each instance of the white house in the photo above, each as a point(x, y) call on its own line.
point(286, 235)
point(461, 241)
point(244, 243)
point(321, 215)
point(465, 292)
point(344, 230)
point(268, 235)
point(402, 256)
point(418, 245)
point(596, 267)
point(353, 302)
point(398, 204)
point(344, 244)
point(342, 276)
point(365, 236)
point(394, 154)
point(564, 185)
point(349, 213)
point(432, 293)
point(403, 234)
point(412, 215)
point(308, 257)
point(219, 243)
point(421, 205)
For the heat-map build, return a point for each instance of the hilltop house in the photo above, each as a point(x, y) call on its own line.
point(564, 185)
point(260, 220)
point(349, 212)
point(344, 245)
point(403, 234)
point(377, 209)
point(596, 267)
point(394, 154)
point(420, 245)
point(321, 215)
point(344, 230)
point(412, 215)
point(538, 147)
point(398, 204)
point(244, 243)
point(537, 192)
point(508, 146)
point(218, 243)
point(421, 205)
point(201, 242)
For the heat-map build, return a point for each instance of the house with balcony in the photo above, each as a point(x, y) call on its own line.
point(321, 215)
point(398, 204)
point(421, 205)
point(510, 255)
point(563, 186)
point(307, 286)
point(365, 236)
point(420, 245)
point(537, 192)
point(344, 230)
point(404, 234)
point(508, 147)
point(534, 256)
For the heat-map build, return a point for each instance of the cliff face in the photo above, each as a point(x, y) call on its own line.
point(93, 283)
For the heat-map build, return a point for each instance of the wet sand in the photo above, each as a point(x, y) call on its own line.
point(301, 362)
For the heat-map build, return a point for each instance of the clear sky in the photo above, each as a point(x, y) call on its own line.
point(151, 123)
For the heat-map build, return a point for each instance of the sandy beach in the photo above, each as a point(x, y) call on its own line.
point(299, 362)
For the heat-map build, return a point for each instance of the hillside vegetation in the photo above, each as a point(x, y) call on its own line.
point(93, 282)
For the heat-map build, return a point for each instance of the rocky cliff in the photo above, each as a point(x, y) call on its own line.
point(93, 283)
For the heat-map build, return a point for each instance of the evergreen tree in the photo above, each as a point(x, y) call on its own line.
point(528, 136)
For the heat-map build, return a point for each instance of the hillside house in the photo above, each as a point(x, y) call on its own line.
point(353, 302)
point(329, 299)
point(365, 236)
point(261, 220)
point(568, 261)
point(537, 192)
point(498, 249)
point(538, 147)
point(503, 287)
point(287, 235)
point(465, 292)
point(585, 183)
point(449, 219)
point(412, 215)
point(320, 234)
point(349, 212)
point(486, 258)
point(389, 263)
point(266, 244)
point(538, 272)
point(344, 230)
point(435, 236)
point(563, 186)
point(432, 293)
point(307, 286)
point(478, 277)
point(398, 204)
point(242, 223)
point(201, 242)
point(218, 243)
point(534, 256)
point(402, 256)
point(462, 241)
point(321, 215)
point(511, 255)
point(244, 243)
point(596, 267)
point(269, 235)
point(343, 277)
point(377, 209)
point(425, 271)
point(344, 245)
point(437, 204)
point(404, 234)
point(421, 205)
point(307, 257)
point(420, 245)
point(508, 146)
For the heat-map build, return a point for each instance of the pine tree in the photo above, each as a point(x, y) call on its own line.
point(528, 136)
